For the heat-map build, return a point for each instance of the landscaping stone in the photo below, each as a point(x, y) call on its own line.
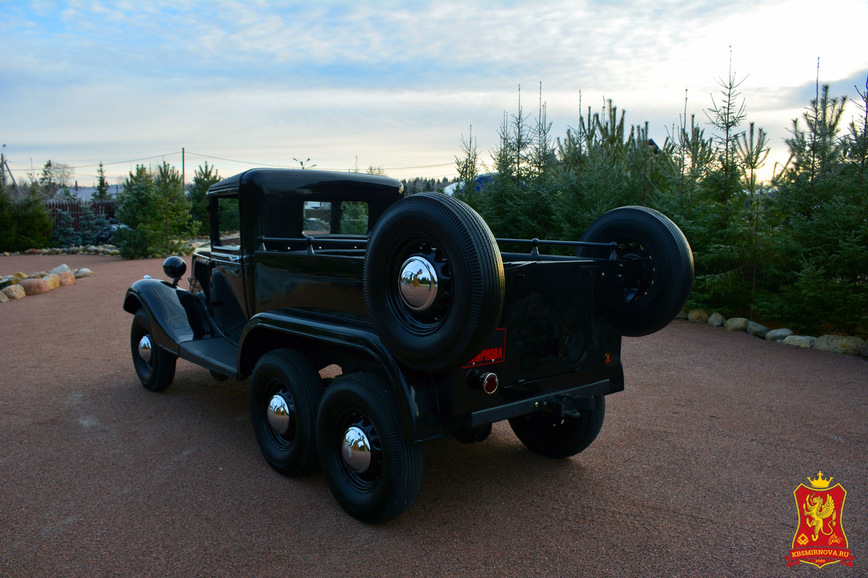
point(697, 316)
point(757, 329)
point(34, 286)
point(66, 278)
point(3, 297)
point(716, 319)
point(803, 341)
point(840, 344)
point(14, 292)
point(736, 324)
point(61, 269)
point(778, 334)
point(52, 280)
point(82, 273)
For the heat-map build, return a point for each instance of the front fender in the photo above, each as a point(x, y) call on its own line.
point(175, 314)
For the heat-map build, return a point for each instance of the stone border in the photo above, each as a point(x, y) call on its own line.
point(20, 285)
point(847, 344)
point(108, 250)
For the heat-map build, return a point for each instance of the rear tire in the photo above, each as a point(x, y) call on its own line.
point(284, 397)
point(372, 471)
point(560, 437)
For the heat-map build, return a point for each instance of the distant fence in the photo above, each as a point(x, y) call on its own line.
point(105, 209)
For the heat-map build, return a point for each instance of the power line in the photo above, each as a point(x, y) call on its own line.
point(75, 168)
point(293, 166)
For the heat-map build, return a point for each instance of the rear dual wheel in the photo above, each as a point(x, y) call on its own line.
point(372, 471)
point(355, 429)
point(284, 395)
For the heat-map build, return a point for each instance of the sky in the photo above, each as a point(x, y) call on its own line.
point(394, 85)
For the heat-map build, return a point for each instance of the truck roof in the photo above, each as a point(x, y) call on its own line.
point(308, 182)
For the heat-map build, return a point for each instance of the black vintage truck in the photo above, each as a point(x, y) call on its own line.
point(432, 326)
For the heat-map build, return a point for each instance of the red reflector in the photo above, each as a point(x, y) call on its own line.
point(490, 383)
point(607, 358)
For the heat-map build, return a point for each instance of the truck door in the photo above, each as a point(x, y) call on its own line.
point(228, 304)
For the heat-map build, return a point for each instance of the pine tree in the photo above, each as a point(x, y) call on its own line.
point(155, 209)
point(102, 186)
point(202, 181)
point(133, 211)
point(821, 211)
point(468, 168)
point(171, 217)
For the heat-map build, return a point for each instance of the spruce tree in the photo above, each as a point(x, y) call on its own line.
point(204, 177)
point(102, 186)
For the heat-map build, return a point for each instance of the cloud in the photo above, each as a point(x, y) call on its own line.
point(395, 83)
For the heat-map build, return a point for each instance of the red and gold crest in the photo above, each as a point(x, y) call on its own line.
point(820, 538)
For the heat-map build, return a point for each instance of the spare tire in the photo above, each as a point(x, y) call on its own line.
point(433, 281)
point(654, 269)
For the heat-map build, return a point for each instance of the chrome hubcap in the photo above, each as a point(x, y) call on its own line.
point(356, 449)
point(418, 283)
point(145, 351)
point(278, 414)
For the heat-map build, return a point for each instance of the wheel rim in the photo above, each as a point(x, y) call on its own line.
point(418, 283)
point(356, 449)
point(145, 350)
point(421, 297)
point(280, 415)
point(636, 270)
point(360, 451)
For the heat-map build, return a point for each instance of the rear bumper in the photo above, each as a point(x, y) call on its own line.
point(543, 401)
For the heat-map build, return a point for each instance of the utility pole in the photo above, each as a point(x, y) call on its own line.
point(183, 159)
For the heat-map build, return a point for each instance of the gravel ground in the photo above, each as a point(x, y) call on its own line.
point(693, 473)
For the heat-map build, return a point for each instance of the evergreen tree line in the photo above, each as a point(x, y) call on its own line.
point(792, 251)
point(157, 211)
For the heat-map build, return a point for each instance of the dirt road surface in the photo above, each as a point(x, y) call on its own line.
point(693, 473)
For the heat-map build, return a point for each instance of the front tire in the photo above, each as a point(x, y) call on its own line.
point(284, 397)
point(155, 367)
point(560, 437)
point(371, 469)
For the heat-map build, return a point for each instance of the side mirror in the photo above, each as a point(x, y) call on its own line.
point(174, 268)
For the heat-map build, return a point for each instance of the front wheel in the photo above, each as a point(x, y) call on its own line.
point(560, 437)
point(371, 469)
point(155, 367)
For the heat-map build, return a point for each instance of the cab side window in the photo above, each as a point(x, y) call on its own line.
point(316, 218)
point(335, 218)
point(354, 218)
point(228, 223)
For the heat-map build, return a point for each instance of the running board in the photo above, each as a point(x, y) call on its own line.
point(215, 353)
